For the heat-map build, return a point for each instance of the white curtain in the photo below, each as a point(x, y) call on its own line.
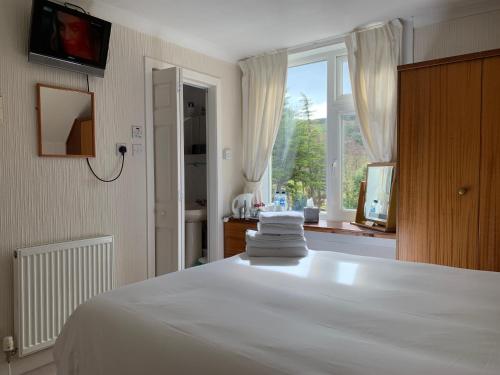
point(373, 57)
point(263, 89)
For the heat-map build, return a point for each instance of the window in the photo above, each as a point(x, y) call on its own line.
point(299, 154)
point(354, 161)
point(344, 89)
point(319, 153)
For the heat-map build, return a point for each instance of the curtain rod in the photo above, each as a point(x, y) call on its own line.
point(316, 44)
point(322, 42)
point(332, 40)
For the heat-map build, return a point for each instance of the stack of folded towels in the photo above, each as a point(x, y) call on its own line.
point(280, 234)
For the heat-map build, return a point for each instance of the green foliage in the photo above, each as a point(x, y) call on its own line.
point(283, 159)
point(299, 156)
point(354, 162)
point(350, 191)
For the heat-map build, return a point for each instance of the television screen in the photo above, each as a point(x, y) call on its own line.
point(67, 38)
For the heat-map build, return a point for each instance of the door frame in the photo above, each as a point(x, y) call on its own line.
point(214, 156)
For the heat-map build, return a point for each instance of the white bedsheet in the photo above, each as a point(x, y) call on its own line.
point(328, 313)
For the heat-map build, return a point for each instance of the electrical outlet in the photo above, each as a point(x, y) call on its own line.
point(118, 145)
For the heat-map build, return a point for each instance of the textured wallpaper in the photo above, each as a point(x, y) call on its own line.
point(457, 37)
point(45, 200)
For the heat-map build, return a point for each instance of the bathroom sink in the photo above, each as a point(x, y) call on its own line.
point(195, 213)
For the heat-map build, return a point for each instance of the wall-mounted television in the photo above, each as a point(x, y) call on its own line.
point(67, 38)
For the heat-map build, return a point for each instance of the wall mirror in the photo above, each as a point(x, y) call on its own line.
point(65, 122)
point(377, 203)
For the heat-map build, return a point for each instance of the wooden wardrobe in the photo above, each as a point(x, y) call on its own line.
point(449, 162)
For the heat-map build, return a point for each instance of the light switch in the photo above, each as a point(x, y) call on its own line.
point(136, 132)
point(227, 154)
point(1, 110)
point(136, 149)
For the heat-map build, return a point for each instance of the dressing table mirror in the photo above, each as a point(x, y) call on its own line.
point(377, 198)
point(65, 122)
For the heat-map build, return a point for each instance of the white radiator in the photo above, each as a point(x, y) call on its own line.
point(50, 281)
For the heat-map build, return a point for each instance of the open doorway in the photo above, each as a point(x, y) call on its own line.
point(195, 175)
point(183, 154)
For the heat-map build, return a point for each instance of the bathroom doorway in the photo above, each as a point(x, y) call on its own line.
point(171, 197)
point(195, 175)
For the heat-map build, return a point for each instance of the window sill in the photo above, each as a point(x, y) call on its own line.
point(337, 227)
point(345, 227)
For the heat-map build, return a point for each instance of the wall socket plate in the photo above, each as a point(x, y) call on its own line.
point(118, 145)
point(136, 149)
point(227, 154)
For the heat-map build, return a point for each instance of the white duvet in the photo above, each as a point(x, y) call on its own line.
point(328, 313)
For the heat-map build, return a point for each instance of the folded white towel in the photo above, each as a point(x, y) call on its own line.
point(275, 245)
point(280, 229)
point(286, 252)
point(256, 239)
point(285, 217)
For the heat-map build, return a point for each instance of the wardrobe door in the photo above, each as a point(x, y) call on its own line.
point(489, 213)
point(439, 158)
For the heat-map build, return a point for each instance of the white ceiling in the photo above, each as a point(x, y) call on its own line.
point(234, 29)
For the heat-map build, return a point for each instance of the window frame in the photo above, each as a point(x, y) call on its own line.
point(339, 77)
point(337, 105)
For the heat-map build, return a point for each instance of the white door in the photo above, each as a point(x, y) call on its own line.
point(169, 171)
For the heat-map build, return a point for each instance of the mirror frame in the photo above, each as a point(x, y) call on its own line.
point(390, 224)
point(39, 86)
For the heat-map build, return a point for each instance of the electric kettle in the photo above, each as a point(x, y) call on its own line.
point(239, 202)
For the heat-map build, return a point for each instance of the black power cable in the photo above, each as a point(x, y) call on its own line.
point(122, 151)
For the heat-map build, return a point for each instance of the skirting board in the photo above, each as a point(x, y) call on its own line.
point(29, 363)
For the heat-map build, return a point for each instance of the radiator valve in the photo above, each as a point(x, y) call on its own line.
point(8, 348)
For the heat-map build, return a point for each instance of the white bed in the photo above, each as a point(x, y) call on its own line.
point(328, 313)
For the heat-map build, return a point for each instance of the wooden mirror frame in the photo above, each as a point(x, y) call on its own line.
point(39, 86)
point(390, 224)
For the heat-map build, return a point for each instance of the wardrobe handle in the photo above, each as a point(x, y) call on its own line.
point(462, 191)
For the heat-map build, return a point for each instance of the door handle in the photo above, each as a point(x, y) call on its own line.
point(462, 191)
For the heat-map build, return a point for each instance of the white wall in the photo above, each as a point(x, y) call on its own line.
point(459, 36)
point(44, 200)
